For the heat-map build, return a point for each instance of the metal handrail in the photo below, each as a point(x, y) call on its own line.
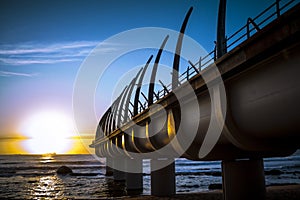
point(243, 30)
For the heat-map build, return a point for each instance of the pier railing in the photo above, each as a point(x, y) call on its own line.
point(251, 27)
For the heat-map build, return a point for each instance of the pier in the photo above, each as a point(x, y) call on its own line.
point(239, 104)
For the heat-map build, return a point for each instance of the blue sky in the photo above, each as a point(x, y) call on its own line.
point(43, 43)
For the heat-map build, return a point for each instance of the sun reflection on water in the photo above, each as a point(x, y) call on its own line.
point(48, 187)
point(47, 158)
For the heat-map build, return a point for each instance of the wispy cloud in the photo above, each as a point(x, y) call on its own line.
point(19, 49)
point(8, 74)
point(40, 53)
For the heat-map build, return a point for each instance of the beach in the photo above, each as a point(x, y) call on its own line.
point(282, 192)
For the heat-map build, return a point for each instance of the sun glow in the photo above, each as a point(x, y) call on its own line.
point(48, 132)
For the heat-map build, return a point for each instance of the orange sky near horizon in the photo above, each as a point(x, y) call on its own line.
point(20, 146)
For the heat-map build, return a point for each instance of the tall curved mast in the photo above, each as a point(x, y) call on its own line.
point(154, 70)
point(221, 38)
point(129, 95)
point(176, 61)
point(139, 86)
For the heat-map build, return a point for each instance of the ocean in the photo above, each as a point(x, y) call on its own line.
point(34, 176)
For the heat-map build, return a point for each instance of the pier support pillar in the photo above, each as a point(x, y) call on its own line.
point(163, 181)
point(243, 179)
point(109, 169)
point(134, 181)
point(118, 175)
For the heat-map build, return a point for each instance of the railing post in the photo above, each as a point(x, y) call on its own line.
point(156, 95)
point(187, 73)
point(251, 21)
point(278, 8)
point(200, 64)
point(193, 66)
point(144, 96)
point(165, 87)
point(215, 51)
point(142, 106)
point(248, 31)
point(225, 45)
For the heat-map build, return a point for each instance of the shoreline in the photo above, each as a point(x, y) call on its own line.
point(274, 192)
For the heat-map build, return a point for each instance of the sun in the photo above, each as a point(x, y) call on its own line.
point(48, 132)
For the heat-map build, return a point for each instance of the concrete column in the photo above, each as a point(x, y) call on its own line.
point(109, 169)
point(118, 175)
point(163, 181)
point(243, 179)
point(134, 181)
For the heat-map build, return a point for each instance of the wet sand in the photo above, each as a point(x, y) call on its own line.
point(288, 192)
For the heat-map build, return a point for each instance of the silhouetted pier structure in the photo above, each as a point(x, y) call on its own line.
point(259, 69)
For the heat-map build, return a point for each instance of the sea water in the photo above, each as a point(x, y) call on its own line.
point(34, 176)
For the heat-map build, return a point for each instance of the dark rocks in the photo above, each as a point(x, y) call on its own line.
point(109, 173)
point(85, 174)
point(64, 170)
point(32, 181)
point(216, 173)
point(273, 172)
point(215, 186)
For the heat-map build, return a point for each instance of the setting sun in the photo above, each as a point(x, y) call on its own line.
point(48, 132)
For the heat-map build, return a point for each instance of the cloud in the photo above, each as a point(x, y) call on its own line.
point(13, 138)
point(8, 74)
point(18, 61)
point(50, 53)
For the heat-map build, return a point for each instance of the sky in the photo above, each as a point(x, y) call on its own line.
point(43, 44)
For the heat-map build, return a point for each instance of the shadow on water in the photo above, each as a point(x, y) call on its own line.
point(115, 189)
point(111, 188)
